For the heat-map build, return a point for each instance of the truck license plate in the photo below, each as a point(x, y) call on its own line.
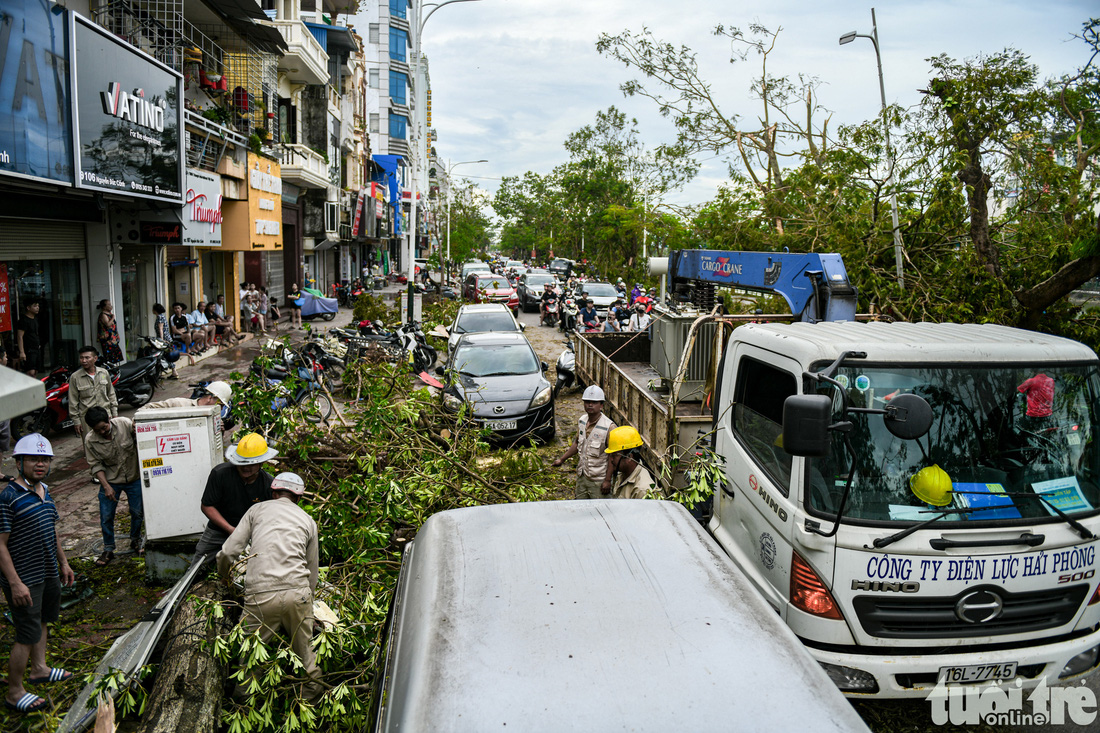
point(977, 673)
point(501, 425)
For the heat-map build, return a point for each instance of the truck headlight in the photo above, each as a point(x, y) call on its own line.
point(451, 402)
point(849, 679)
point(541, 398)
point(1083, 662)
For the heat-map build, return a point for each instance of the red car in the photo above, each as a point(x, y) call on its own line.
point(485, 287)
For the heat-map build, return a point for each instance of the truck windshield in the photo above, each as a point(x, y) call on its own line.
point(995, 432)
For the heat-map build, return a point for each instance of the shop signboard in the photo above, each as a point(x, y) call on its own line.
point(35, 109)
point(128, 119)
point(256, 225)
point(5, 300)
point(161, 232)
point(202, 209)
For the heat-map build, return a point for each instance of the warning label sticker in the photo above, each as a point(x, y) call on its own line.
point(152, 462)
point(173, 444)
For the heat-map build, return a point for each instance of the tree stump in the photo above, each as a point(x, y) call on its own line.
point(187, 693)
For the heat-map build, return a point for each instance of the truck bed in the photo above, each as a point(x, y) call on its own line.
point(619, 363)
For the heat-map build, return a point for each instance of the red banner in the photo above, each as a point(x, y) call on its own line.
point(5, 300)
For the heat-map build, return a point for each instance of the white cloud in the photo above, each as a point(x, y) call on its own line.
point(512, 78)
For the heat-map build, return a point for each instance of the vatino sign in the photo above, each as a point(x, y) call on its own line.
point(127, 117)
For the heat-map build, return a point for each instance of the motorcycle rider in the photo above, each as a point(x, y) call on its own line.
point(549, 295)
point(588, 315)
point(640, 320)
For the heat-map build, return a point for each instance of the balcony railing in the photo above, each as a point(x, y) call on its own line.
point(305, 61)
point(304, 167)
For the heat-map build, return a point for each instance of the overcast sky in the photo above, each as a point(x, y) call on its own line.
point(512, 78)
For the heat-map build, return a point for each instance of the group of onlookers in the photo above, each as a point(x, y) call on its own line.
point(199, 330)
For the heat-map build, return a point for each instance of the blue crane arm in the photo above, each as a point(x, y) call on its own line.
point(815, 286)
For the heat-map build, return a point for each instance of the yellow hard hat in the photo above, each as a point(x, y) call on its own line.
point(623, 438)
point(252, 449)
point(932, 485)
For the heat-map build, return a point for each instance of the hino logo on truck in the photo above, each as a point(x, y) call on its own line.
point(886, 586)
point(979, 606)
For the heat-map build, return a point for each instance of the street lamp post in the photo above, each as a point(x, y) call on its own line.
point(451, 167)
point(848, 38)
point(415, 142)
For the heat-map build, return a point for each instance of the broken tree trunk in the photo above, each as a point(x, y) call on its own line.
point(187, 694)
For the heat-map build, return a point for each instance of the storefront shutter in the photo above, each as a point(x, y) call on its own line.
point(41, 240)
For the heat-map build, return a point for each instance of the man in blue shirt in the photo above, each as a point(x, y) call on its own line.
point(32, 568)
point(201, 327)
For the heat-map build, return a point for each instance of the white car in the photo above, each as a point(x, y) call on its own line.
point(479, 318)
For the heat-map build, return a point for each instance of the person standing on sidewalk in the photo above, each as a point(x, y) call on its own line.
point(33, 567)
point(108, 332)
point(593, 468)
point(28, 339)
point(231, 489)
point(90, 387)
point(282, 569)
point(294, 301)
point(111, 449)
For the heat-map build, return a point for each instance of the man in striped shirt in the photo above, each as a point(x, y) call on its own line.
point(32, 568)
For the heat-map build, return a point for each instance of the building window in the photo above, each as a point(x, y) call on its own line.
point(374, 79)
point(373, 34)
point(375, 122)
point(398, 84)
point(332, 216)
point(397, 126)
point(399, 41)
point(397, 8)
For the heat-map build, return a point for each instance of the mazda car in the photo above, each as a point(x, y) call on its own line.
point(500, 383)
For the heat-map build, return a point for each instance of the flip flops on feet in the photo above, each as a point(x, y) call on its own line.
point(105, 558)
point(29, 703)
point(56, 675)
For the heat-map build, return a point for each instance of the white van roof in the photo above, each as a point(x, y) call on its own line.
point(591, 615)
point(910, 342)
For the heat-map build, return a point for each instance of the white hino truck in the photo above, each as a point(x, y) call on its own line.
point(919, 502)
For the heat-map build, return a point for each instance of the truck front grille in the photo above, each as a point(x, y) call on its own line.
point(935, 618)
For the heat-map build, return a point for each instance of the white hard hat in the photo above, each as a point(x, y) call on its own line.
point(222, 391)
point(33, 445)
point(593, 394)
point(287, 481)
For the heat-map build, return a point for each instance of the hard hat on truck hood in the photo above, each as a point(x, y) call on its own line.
point(932, 485)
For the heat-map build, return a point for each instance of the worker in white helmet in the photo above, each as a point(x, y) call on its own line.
point(281, 576)
point(215, 393)
point(593, 470)
point(33, 568)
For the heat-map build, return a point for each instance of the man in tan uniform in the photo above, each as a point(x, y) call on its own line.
point(593, 471)
point(282, 570)
point(630, 479)
point(90, 387)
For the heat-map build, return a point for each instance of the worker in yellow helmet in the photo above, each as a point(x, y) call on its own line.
point(231, 489)
point(629, 478)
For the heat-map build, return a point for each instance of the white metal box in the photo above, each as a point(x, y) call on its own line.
point(177, 447)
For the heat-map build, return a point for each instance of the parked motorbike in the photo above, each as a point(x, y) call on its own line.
point(56, 412)
point(566, 369)
point(135, 381)
point(276, 374)
point(161, 349)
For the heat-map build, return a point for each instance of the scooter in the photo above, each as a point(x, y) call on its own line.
point(56, 412)
point(135, 381)
point(550, 318)
point(569, 313)
point(566, 374)
point(161, 349)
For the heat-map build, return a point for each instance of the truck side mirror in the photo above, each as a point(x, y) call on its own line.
point(806, 425)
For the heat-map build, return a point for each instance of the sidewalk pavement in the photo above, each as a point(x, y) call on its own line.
point(70, 483)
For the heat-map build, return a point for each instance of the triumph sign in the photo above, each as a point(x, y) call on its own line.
point(202, 209)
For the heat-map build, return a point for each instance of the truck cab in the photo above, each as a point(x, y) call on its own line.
point(966, 554)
